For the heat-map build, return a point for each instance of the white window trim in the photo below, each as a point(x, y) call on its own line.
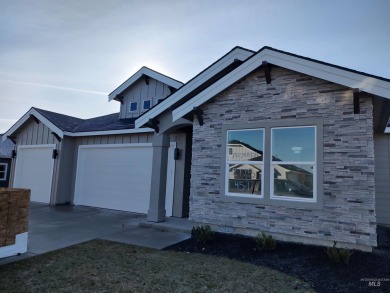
point(312, 163)
point(143, 105)
point(227, 162)
point(316, 122)
point(5, 171)
point(132, 111)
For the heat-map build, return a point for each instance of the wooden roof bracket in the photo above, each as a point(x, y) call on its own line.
point(146, 79)
point(171, 89)
point(120, 98)
point(56, 136)
point(267, 71)
point(35, 118)
point(12, 138)
point(153, 123)
point(199, 114)
point(356, 101)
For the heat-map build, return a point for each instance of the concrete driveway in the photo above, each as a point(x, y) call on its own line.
point(55, 227)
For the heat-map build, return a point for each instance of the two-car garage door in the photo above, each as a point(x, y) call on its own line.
point(118, 177)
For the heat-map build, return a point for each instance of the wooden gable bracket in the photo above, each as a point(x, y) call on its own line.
point(153, 123)
point(267, 71)
point(171, 89)
point(12, 138)
point(56, 136)
point(146, 79)
point(35, 118)
point(356, 101)
point(120, 98)
point(199, 114)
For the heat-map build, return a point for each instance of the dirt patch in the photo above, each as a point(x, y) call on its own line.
point(307, 263)
point(105, 266)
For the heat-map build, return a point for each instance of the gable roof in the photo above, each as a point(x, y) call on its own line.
point(64, 125)
point(144, 71)
point(351, 78)
point(6, 148)
point(205, 78)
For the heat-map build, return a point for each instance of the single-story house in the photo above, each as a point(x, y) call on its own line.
point(258, 141)
point(6, 148)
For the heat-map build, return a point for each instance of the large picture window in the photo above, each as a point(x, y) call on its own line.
point(293, 163)
point(276, 162)
point(244, 162)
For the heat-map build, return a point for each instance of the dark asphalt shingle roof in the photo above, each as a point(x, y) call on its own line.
point(74, 124)
point(6, 147)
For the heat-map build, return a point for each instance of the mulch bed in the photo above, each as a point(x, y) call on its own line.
point(306, 262)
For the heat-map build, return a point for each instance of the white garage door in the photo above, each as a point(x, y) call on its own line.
point(34, 170)
point(116, 177)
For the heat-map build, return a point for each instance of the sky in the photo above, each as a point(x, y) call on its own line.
point(66, 56)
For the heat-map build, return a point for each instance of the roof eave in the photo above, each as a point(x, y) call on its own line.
point(366, 83)
point(236, 53)
point(135, 77)
point(14, 128)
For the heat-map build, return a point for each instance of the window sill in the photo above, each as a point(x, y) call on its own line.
point(270, 202)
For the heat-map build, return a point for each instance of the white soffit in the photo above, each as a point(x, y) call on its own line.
point(344, 77)
point(148, 72)
point(40, 117)
point(238, 53)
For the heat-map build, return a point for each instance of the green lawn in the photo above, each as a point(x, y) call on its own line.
point(105, 266)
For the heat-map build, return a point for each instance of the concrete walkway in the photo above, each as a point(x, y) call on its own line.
point(55, 227)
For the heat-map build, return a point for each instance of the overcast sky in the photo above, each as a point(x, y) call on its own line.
point(66, 56)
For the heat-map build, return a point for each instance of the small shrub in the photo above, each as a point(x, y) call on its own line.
point(338, 255)
point(265, 242)
point(202, 234)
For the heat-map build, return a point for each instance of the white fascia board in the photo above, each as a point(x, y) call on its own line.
point(109, 132)
point(387, 129)
point(40, 117)
point(144, 71)
point(238, 53)
point(344, 77)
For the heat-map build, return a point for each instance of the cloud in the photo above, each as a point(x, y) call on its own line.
point(55, 87)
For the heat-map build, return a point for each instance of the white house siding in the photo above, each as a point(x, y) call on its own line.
point(348, 212)
point(139, 92)
point(33, 133)
point(382, 177)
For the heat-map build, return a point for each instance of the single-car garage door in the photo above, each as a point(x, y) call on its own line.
point(115, 176)
point(34, 170)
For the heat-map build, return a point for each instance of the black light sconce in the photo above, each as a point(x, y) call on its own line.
point(14, 153)
point(55, 154)
point(176, 155)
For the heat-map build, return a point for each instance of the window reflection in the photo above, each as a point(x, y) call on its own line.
point(245, 145)
point(245, 178)
point(291, 144)
point(293, 180)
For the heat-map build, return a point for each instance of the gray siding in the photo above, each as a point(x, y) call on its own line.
point(140, 92)
point(382, 177)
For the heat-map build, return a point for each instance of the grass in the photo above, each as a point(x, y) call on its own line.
point(105, 266)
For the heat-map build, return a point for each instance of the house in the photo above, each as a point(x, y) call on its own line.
point(6, 148)
point(258, 141)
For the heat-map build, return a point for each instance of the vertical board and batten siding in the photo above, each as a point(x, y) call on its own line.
point(140, 92)
point(99, 140)
point(33, 133)
point(382, 177)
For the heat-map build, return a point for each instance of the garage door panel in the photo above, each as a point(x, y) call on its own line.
point(34, 170)
point(114, 177)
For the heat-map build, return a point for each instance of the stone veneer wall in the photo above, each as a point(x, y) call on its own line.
point(348, 213)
